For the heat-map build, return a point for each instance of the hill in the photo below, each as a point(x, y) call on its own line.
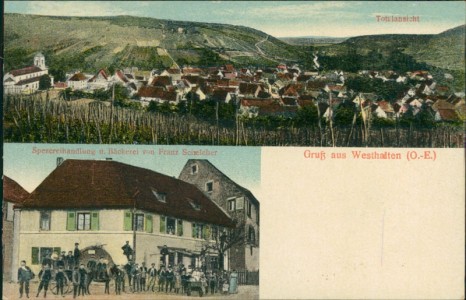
point(91, 43)
point(97, 42)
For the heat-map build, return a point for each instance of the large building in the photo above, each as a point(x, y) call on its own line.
point(237, 201)
point(13, 194)
point(26, 80)
point(101, 204)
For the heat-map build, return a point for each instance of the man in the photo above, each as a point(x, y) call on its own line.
point(143, 272)
point(76, 279)
point(169, 277)
point(152, 272)
point(45, 275)
point(47, 260)
point(61, 279)
point(24, 276)
point(61, 260)
point(101, 268)
point(127, 250)
point(77, 254)
point(161, 277)
point(82, 280)
point(70, 261)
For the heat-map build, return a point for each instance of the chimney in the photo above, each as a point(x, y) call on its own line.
point(60, 161)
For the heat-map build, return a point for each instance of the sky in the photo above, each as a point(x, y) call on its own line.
point(22, 163)
point(277, 18)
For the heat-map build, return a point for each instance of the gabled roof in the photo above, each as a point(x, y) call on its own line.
point(122, 76)
point(101, 73)
point(92, 184)
point(29, 80)
point(12, 191)
point(161, 81)
point(220, 95)
point(248, 88)
point(25, 71)
point(78, 77)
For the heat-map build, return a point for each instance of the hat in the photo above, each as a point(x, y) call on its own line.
point(76, 244)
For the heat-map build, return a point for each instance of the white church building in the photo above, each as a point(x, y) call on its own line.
point(26, 80)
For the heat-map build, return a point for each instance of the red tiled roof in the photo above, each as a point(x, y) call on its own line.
point(256, 102)
point(89, 184)
point(385, 106)
point(12, 191)
point(316, 85)
point(77, 77)
point(248, 88)
point(448, 114)
point(29, 80)
point(288, 101)
point(229, 68)
point(25, 71)
point(60, 85)
point(122, 76)
point(101, 73)
point(162, 81)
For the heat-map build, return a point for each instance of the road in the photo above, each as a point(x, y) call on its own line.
point(10, 291)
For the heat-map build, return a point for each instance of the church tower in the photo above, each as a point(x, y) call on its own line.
point(39, 61)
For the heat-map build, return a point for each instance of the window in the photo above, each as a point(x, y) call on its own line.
point(214, 232)
point(209, 186)
point(232, 204)
point(194, 169)
point(139, 222)
point(45, 220)
point(169, 225)
point(249, 208)
point(202, 231)
point(40, 255)
point(84, 221)
point(195, 206)
point(251, 235)
point(162, 197)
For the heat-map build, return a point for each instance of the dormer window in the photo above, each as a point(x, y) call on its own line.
point(194, 205)
point(162, 197)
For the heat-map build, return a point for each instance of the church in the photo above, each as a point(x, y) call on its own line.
point(26, 80)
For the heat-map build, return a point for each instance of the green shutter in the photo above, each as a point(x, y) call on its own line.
point(94, 221)
point(194, 230)
point(71, 221)
point(162, 224)
point(179, 228)
point(127, 222)
point(149, 223)
point(208, 232)
point(35, 256)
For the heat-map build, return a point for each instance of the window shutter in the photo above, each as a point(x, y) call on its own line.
point(179, 228)
point(71, 221)
point(162, 224)
point(240, 203)
point(207, 232)
point(149, 223)
point(194, 230)
point(127, 220)
point(35, 256)
point(94, 221)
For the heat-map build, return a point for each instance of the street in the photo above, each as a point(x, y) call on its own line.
point(10, 291)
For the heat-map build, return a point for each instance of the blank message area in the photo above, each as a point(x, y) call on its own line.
point(351, 228)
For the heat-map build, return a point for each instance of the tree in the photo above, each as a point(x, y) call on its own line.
point(45, 82)
point(224, 241)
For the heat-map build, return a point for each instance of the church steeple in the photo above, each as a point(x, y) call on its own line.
point(39, 61)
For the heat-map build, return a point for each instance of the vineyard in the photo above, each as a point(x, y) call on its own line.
point(38, 119)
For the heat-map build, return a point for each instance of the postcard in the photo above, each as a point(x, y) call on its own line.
point(233, 149)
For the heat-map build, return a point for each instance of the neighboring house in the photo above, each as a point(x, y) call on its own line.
point(26, 80)
point(13, 194)
point(103, 203)
point(154, 93)
point(174, 74)
point(240, 204)
point(99, 81)
point(78, 81)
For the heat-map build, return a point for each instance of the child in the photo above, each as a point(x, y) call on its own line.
point(61, 279)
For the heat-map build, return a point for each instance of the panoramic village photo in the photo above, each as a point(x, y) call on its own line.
point(215, 73)
point(104, 225)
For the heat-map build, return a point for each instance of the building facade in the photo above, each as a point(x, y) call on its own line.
point(26, 80)
point(237, 201)
point(13, 194)
point(103, 204)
